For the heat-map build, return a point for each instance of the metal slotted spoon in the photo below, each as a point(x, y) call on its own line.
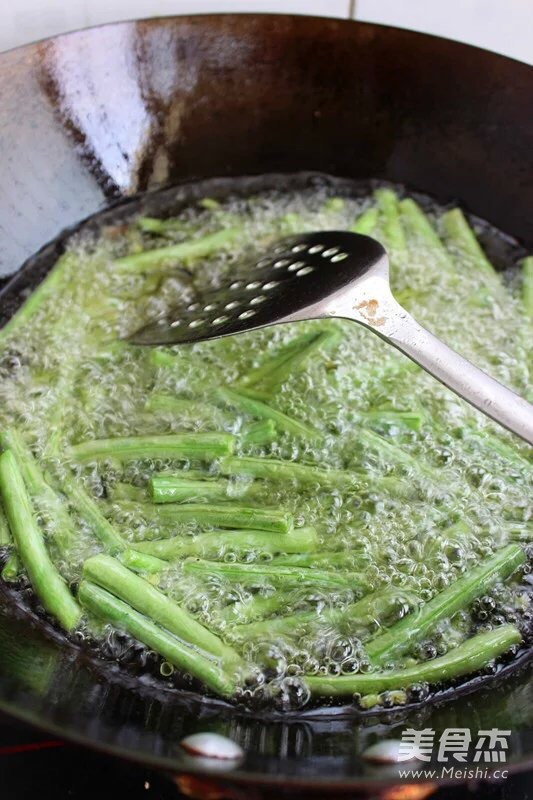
point(334, 274)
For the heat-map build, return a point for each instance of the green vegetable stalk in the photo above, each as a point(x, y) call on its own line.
point(271, 520)
point(257, 408)
point(290, 359)
point(461, 594)
point(215, 545)
point(184, 252)
point(472, 655)
point(108, 607)
point(45, 579)
point(367, 222)
point(38, 297)
point(110, 574)
point(173, 488)
point(275, 575)
point(47, 500)
point(258, 433)
point(203, 446)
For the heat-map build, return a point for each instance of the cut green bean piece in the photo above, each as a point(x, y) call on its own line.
point(413, 420)
point(460, 237)
point(241, 542)
point(393, 452)
point(297, 360)
point(271, 520)
point(277, 576)
point(142, 562)
point(125, 491)
point(163, 227)
point(166, 488)
point(364, 613)
point(502, 449)
point(393, 233)
point(308, 475)
point(257, 408)
point(38, 296)
point(185, 407)
point(270, 363)
point(188, 251)
point(418, 226)
point(88, 510)
point(180, 446)
point(344, 559)
point(11, 569)
point(108, 607)
point(527, 285)
point(367, 222)
point(47, 500)
point(258, 433)
point(289, 471)
point(45, 579)
point(412, 628)
point(110, 574)
point(255, 607)
point(469, 657)
point(5, 536)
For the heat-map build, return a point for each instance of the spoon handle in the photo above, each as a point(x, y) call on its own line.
point(457, 373)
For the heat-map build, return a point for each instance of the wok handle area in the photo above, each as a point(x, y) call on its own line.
point(457, 373)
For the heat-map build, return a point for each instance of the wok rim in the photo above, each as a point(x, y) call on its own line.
point(166, 764)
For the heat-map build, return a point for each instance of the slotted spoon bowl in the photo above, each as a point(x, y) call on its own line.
point(334, 274)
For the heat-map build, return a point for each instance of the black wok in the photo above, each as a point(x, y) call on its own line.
point(92, 119)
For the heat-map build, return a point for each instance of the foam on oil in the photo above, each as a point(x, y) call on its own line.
point(463, 487)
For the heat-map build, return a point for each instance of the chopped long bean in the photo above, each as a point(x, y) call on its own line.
point(421, 231)
point(367, 222)
point(38, 297)
point(188, 251)
point(142, 562)
point(41, 492)
point(289, 471)
point(185, 407)
point(11, 568)
point(225, 516)
point(217, 544)
point(277, 575)
point(258, 374)
point(45, 578)
point(203, 446)
point(309, 475)
point(168, 488)
point(259, 409)
point(295, 363)
point(258, 433)
point(88, 510)
point(393, 233)
point(113, 576)
point(472, 655)
point(460, 236)
point(105, 605)
point(257, 606)
point(5, 536)
point(459, 595)
point(364, 613)
point(408, 419)
point(344, 559)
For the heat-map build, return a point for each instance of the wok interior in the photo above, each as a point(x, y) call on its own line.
point(228, 96)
